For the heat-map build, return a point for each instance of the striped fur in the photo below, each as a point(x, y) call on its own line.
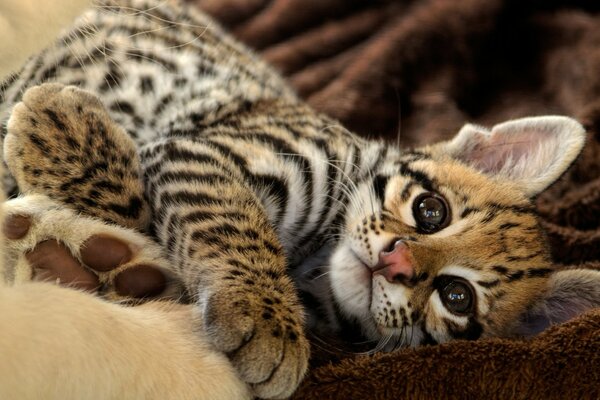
point(253, 195)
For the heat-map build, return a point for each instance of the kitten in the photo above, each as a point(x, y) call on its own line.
point(258, 202)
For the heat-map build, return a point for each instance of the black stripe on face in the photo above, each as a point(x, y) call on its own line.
point(500, 269)
point(419, 176)
point(506, 273)
point(515, 276)
point(494, 209)
point(405, 194)
point(538, 272)
point(468, 211)
point(306, 170)
point(379, 185)
point(508, 225)
point(489, 284)
point(175, 153)
point(524, 258)
point(520, 274)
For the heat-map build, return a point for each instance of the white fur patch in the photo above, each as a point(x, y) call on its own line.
point(351, 283)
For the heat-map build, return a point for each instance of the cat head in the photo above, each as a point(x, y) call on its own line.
point(444, 242)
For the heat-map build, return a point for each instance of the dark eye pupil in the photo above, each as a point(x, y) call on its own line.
point(431, 212)
point(457, 297)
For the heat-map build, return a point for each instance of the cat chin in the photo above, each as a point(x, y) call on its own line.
point(360, 297)
point(351, 284)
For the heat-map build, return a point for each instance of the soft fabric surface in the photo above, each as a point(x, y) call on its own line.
point(414, 72)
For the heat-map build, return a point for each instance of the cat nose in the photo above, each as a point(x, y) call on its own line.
point(395, 265)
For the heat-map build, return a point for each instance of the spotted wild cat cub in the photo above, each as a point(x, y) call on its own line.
point(250, 201)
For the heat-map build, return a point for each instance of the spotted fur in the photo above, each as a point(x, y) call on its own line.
point(258, 201)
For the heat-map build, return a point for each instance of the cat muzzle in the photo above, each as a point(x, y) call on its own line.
point(396, 265)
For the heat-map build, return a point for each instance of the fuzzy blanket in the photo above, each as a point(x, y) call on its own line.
point(415, 71)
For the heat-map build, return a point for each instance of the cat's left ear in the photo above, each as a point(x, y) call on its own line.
point(568, 294)
point(531, 152)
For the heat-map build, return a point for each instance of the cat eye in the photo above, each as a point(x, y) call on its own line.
point(458, 297)
point(431, 212)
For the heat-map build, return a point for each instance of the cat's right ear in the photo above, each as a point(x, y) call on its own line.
point(529, 152)
point(568, 293)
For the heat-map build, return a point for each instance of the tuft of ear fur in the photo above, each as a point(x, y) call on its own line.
point(531, 152)
point(568, 294)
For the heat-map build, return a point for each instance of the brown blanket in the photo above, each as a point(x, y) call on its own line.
point(416, 71)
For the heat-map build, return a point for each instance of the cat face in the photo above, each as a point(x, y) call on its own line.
point(444, 243)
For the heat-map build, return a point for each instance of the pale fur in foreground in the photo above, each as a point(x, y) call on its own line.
point(58, 343)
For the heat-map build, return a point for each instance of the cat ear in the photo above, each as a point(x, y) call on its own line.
point(531, 152)
point(568, 294)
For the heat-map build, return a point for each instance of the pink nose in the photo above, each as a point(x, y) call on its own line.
point(395, 265)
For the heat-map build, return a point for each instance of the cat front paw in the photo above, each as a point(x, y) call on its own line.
point(61, 142)
point(46, 241)
point(263, 337)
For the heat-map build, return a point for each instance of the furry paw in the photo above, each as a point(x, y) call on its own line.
point(262, 336)
point(45, 241)
point(61, 142)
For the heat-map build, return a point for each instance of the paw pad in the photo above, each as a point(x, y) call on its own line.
point(47, 242)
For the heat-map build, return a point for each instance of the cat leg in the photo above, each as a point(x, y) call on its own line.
point(73, 161)
point(231, 261)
